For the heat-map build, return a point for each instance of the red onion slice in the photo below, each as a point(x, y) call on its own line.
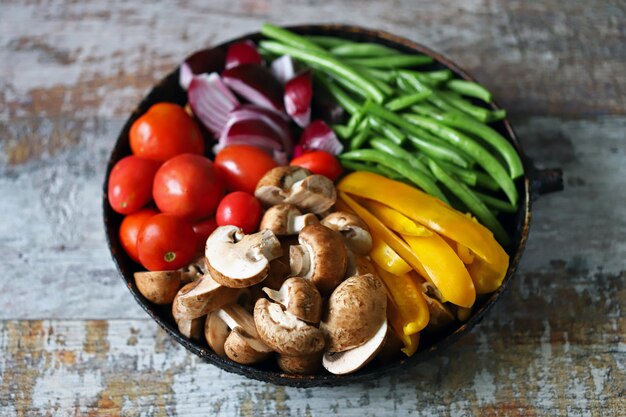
point(256, 84)
point(208, 60)
point(211, 101)
point(283, 69)
point(244, 52)
point(253, 132)
point(298, 95)
point(270, 117)
point(319, 136)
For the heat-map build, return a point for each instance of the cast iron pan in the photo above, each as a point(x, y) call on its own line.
point(535, 183)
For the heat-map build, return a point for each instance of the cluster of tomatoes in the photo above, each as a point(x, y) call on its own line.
point(173, 196)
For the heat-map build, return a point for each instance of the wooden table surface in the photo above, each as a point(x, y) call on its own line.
point(74, 342)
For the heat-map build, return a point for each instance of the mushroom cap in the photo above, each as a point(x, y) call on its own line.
point(315, 193)
point(299, 297)
point(216, 332)
point(275, 186)
point(199, 298)
point(302, 365)
point(359, 265)
point(284, 332)
point(286, 219)
point(355, 311)
point(341, 363)
point(321, 257)
point(353, 229)
point(159, 287)
point(191, 328)
point(279, 271)
point(237, 260)
point(240, 347)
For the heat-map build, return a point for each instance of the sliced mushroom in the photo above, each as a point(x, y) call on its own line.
point(440, 315)
point(199, 298)
point(284, 332)
point(188, 325)
point(286, 219)
point(359, 265)
point(194, 270)
point(299, 297)
point(279, 271)
point(341, 363)
point(321, 257)
point(296, 185)
point(159, 287)
point(302, 365)
point(238, 260)
point(352, 228)
point(355, 311)
point(216, 332)
point(243, 344)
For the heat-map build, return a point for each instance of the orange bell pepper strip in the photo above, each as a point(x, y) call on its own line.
point(430, 212)
point(385, 257)
point(395, 220)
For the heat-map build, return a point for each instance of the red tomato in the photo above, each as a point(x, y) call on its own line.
point(129, 230)
point(187, 186)
point(165, 131)
point(239, 209)
point(242, 166)
point(319, 162)
point(203, 230)
point(130, 183)
point(166, 243)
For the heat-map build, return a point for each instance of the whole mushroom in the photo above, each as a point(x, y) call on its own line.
point(351, 360)
point(300, 298)
point(302, 365)
point(159, 287)
point(286, 219)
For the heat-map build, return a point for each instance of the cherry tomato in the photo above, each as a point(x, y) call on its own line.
point(319, 162)
point(165, 243)
point(242, 166)
point(129, 230)
point(203, 230)
point(165, 131)
point(239, 209)
point(187, 186)
point(130, 183)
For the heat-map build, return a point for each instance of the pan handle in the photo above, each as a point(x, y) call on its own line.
point(544, 181)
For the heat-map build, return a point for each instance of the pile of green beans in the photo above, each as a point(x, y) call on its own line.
point(422, 127)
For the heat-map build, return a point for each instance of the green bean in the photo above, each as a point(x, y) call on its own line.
point(414, 81)
point(386, 76)
point(438, 76)
point(395, 61)
point(487, 161)
point(341, 96)
point(402, 102)
point(361, 137)
point(468, 176)
point(362, 50)
point(358, 166)
point(329, 64)
point(485, 181)
point(288, 37)
point(495, 203)
point(437, 151)
point(504, 148)
point(355, 121)
point(443, 105)
point(465, 106)
point(381, 85)
point(473, 203)
point(392, 149)
point(389, 173)
point(327, 41)
point(470, 89)
point(387, 130)
point(496, 115)
point(342, 131)
point(400, 166)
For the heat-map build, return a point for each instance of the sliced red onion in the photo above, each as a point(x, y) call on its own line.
point(319, 136)
point(253, 132)
point(243, 52)
point(270, 117)
point(211, 101)
point(256, 84)
point(298, 95)
point(297, 151)
point(208, 60)
point(283, 69)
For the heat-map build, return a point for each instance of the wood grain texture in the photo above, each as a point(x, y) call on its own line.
point(73, 341)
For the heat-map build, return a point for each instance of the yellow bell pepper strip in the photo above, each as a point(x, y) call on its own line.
point(444, 269)
point(383, 232)
point(430, 212)
point(395, 220)
point(486, 278)
point(407, 296)
point(464, 253)
point(395, 320)
point(385, 257)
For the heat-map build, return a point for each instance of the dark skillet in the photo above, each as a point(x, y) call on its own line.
point(534, 184)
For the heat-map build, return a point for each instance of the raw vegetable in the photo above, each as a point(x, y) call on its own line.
point(165, 243)
point(203, 230)
point(319, 162)
point(244, 52)
point(129, 230)
point(130, 183)
point(211, 101)
point(256, 84)
point(239, 209)
point(298, 95)
point(242, 166)
point(319, 136)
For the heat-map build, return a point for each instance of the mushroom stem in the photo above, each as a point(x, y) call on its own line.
point(300, 261)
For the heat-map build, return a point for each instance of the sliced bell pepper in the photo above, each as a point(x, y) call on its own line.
point(486, 278)
point(385, 257)
point(430, 212)
point(395, 220)
point(395, 320)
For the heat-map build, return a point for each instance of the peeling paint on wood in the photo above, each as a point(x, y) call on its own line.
point(74, 343)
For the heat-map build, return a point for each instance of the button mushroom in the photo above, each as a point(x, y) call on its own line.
point(300, 298)
point(356, 310)
point(321, 257)
point(284, 332)
point(359, 265)
point(194, 270)
point(286, 219)
point(440, 315)
point(341, 363)
point(188, 325)
point(352, 228)
point(296, 185)
point(303, 365)
point(216, 332)
point(159, 287)
point(243, 344)
point(200, 297)
point(238, 260)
